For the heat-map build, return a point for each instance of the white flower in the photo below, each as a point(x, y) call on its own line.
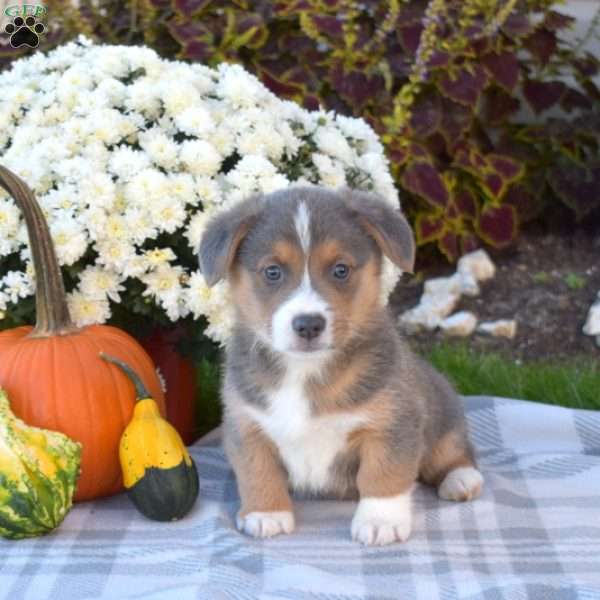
point(125, 150)
point(213, 302)
point(220, 324)
point(238, 87)
point(17, 285)
point(355, 128)
point(195, 120)
point(330, 141)
point(182, 188)
point(223, 139)
point(376, 166)
point(273, 183)
point(100, 187)
point(331, 172)
point(88, 310)
point(113, 90)
point(200, 157)
point(139, 225)
point(168, 212)
point(164, 285)
point(208, 191)
point(178, 96)
point(125, 162)
point(108, 126)
point(163, 280)
point(9, 218)
point(161, 149)
point(141, 96)
point(69, 237)
point(145, 187)
point(115, 254)
point(262, 140)
point(116, 227)
point(97, 283)
point(159, 257)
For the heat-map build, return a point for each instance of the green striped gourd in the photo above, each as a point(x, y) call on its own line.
point(38, 473)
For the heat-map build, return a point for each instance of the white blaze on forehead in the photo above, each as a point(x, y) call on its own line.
point(302, 223)
point(304, 301)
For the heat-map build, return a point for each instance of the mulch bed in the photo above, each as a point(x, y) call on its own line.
point(547, 282)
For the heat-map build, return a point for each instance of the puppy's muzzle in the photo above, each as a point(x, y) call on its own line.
point(309, 326)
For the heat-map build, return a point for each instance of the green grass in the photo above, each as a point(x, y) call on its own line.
point(575, 282)
point(573, 383)
point(541, 277)
point(208, 412)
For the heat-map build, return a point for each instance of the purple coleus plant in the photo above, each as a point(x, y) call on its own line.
point(504, 125)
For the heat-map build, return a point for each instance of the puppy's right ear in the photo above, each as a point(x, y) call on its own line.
point(223, 236)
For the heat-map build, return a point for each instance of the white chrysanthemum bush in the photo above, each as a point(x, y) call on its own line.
point(129, 155)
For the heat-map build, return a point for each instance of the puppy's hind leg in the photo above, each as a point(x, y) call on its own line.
point(451, 467)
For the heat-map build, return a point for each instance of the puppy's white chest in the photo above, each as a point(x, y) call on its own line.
point(308, 445)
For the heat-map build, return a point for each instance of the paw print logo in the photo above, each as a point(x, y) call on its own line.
point(24, 32)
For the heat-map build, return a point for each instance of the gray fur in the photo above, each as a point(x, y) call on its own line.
point(252, 367)
point(380, 350)
point(221, 240)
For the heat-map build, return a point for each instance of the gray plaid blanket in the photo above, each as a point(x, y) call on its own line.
point(534, 533)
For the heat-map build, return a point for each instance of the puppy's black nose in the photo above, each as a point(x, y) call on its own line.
point(309, 326)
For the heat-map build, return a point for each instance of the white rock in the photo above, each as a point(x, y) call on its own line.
point(502, 328)
point(478, 264)
point(467, 283)
point(460, 324)
point(441, 305)
point(429, 313)
point(442, 286)
point(417, 319)
point(592, 324)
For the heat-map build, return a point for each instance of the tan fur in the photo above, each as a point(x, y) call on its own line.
point(381, 474)
point(250, 310)
point(255, 311)
point(285, 253)
point(365, 302)
point(261, 478)
point(352, 310)
point(328, 395)
point(447, 454)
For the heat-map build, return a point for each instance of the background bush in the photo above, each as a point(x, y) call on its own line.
point(489, 116)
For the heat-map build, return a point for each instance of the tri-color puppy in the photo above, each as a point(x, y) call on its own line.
point(321, 394)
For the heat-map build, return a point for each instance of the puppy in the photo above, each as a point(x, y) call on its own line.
point(320, 392)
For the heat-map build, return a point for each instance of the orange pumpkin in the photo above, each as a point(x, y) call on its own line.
point(53, 373)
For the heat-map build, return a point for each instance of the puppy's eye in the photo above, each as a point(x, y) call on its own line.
point(273, 272)
point(341, 271)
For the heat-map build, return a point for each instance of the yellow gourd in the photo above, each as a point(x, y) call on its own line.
point(158, 472)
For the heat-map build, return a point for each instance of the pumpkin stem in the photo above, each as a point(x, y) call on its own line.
point(141, 391)
point(52, 310)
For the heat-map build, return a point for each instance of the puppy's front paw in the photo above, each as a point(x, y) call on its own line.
point(381, 521)
point(461, 484)
point(266, 524)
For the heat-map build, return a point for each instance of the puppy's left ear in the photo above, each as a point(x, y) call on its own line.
point(386, 226)
point(223, 236)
